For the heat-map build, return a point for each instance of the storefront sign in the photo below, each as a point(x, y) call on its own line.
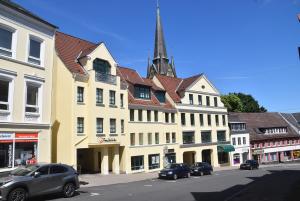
point(26, 135)
point(105, 140)
point(6, 137)
point(257, 152)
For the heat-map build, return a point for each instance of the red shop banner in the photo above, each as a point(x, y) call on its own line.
point(26, 135)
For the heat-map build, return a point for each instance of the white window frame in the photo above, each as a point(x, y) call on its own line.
point(13, 40)
point(38, 84)
point(42, 50)
point(6, 76)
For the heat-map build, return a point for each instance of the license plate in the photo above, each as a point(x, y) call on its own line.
point(163, 175)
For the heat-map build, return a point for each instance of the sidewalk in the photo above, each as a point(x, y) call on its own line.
point(89, 180)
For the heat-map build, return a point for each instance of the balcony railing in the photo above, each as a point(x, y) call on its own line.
point(106, 78)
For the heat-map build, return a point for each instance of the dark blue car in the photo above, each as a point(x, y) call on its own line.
point(201, 169)
point(175, 171)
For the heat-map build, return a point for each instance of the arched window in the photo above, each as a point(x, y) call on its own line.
point(101, 66)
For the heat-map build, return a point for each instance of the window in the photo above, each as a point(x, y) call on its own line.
point(112, 125)
point(80, 125)
point(141, 139)
point(192, 116)
point(80, 94)
point(112, 97)
point(153, 161)
point(156, 116)
point(122, 126)
point(206, 137)
point(233, 141)
point(183, 119)
point(221, 136)
point(239, 141)
point(4, 94)
point(160, 95)
point(199, 99)
point(132, 139)
point(142, 92)
point(34, 56)
point(244, 140)
point(173, 137)
point(188, 137)
point(168, 138)
point(131, 115)
point(99, 96)
point(217, 120)
point(57, 169)
point(201, 119)
point(191, 98)
point(216, 101)
point(32, 96)
point(137, 162)
point(173, 117)
point(6, 40)
point(224, 120)
point(237, 126)
point(167, 117)
point(101, 66)
point(209, 120)
point(99, 125)
point(44, 170)
point(140, 115)
point(121, 100)
point(149, 115)
point(156, 138)
point(149, 138)
point(207, 100)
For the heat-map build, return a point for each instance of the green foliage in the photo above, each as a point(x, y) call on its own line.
point(239, 102)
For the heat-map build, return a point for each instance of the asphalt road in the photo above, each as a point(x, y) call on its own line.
point(268, 184)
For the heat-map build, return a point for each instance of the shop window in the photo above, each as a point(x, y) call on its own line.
point(236, 159)
point(80, 94)
point(137, 162)
point(6, 154)
point(206, 137)
point(99, 96)
point(35, 47)
point(154, 161)
point(188, 137)
point(32, 98)
point(112, 98)
point(99, 125)
point(24, 151)
point(156, 138)
point(223, 157)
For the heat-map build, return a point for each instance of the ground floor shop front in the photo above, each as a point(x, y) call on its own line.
point(240, 155)
point(18, 148)
point(277, 154)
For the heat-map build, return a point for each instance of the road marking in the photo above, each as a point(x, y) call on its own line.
point(153, 180)
point(171, 181)
point(217, 174)
point(147, 185)
point(196, 177)
point(94, 194)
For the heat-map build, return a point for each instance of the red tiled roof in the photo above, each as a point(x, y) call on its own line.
point(153, 86)
point(69, 48)
point(255, 121)
point(170, 84)
point(130, 75)
point(187, 82)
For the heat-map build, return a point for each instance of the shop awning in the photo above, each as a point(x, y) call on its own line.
point(225, 148)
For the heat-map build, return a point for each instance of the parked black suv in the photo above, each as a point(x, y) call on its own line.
point(249, 165)
point(175, 171)
point(201, 169)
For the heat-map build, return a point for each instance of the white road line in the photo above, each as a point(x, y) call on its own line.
point(148, 185)
point(171, 181)
point(94, 194)
point(196, 177)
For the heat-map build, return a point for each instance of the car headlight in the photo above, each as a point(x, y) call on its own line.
point(170, 172)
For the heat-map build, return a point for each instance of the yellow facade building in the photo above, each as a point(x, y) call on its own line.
point(26, 64)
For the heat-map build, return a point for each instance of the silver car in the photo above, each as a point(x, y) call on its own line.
point(39, 179)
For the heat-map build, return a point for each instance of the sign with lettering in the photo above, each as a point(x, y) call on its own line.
point(7, 136)
point(106, 139)
point(26, 135)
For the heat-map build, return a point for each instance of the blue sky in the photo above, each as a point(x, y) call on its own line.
point(245, 46)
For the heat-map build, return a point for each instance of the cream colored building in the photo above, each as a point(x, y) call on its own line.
point(89, 107)
point(26, 61)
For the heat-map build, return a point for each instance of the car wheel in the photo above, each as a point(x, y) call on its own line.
point(69, 190)
point(201, 173)
point(18, 194)
point(175, 176)
point(188, 175)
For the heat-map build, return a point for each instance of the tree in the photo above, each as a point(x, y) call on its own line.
point(248, 103)
point(232, 102)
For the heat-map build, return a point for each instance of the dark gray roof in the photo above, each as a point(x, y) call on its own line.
point(297, 117)
point(24, 11)
point(292, 120)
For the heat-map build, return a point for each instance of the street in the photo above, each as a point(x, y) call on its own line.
point(272, 183)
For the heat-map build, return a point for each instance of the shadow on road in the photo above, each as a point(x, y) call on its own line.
point(54, 196)
point(276, 186)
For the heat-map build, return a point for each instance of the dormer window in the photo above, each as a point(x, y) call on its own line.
point(160, 95)
point(142, 92)
point(278, 130)
point(102, 66)
point(238, 126)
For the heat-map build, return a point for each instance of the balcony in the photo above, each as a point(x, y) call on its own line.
point(106, 78)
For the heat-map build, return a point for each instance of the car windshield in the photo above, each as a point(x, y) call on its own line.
point(247, 161)
point(22, 171)
point(171, 166)
point(199, 164)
